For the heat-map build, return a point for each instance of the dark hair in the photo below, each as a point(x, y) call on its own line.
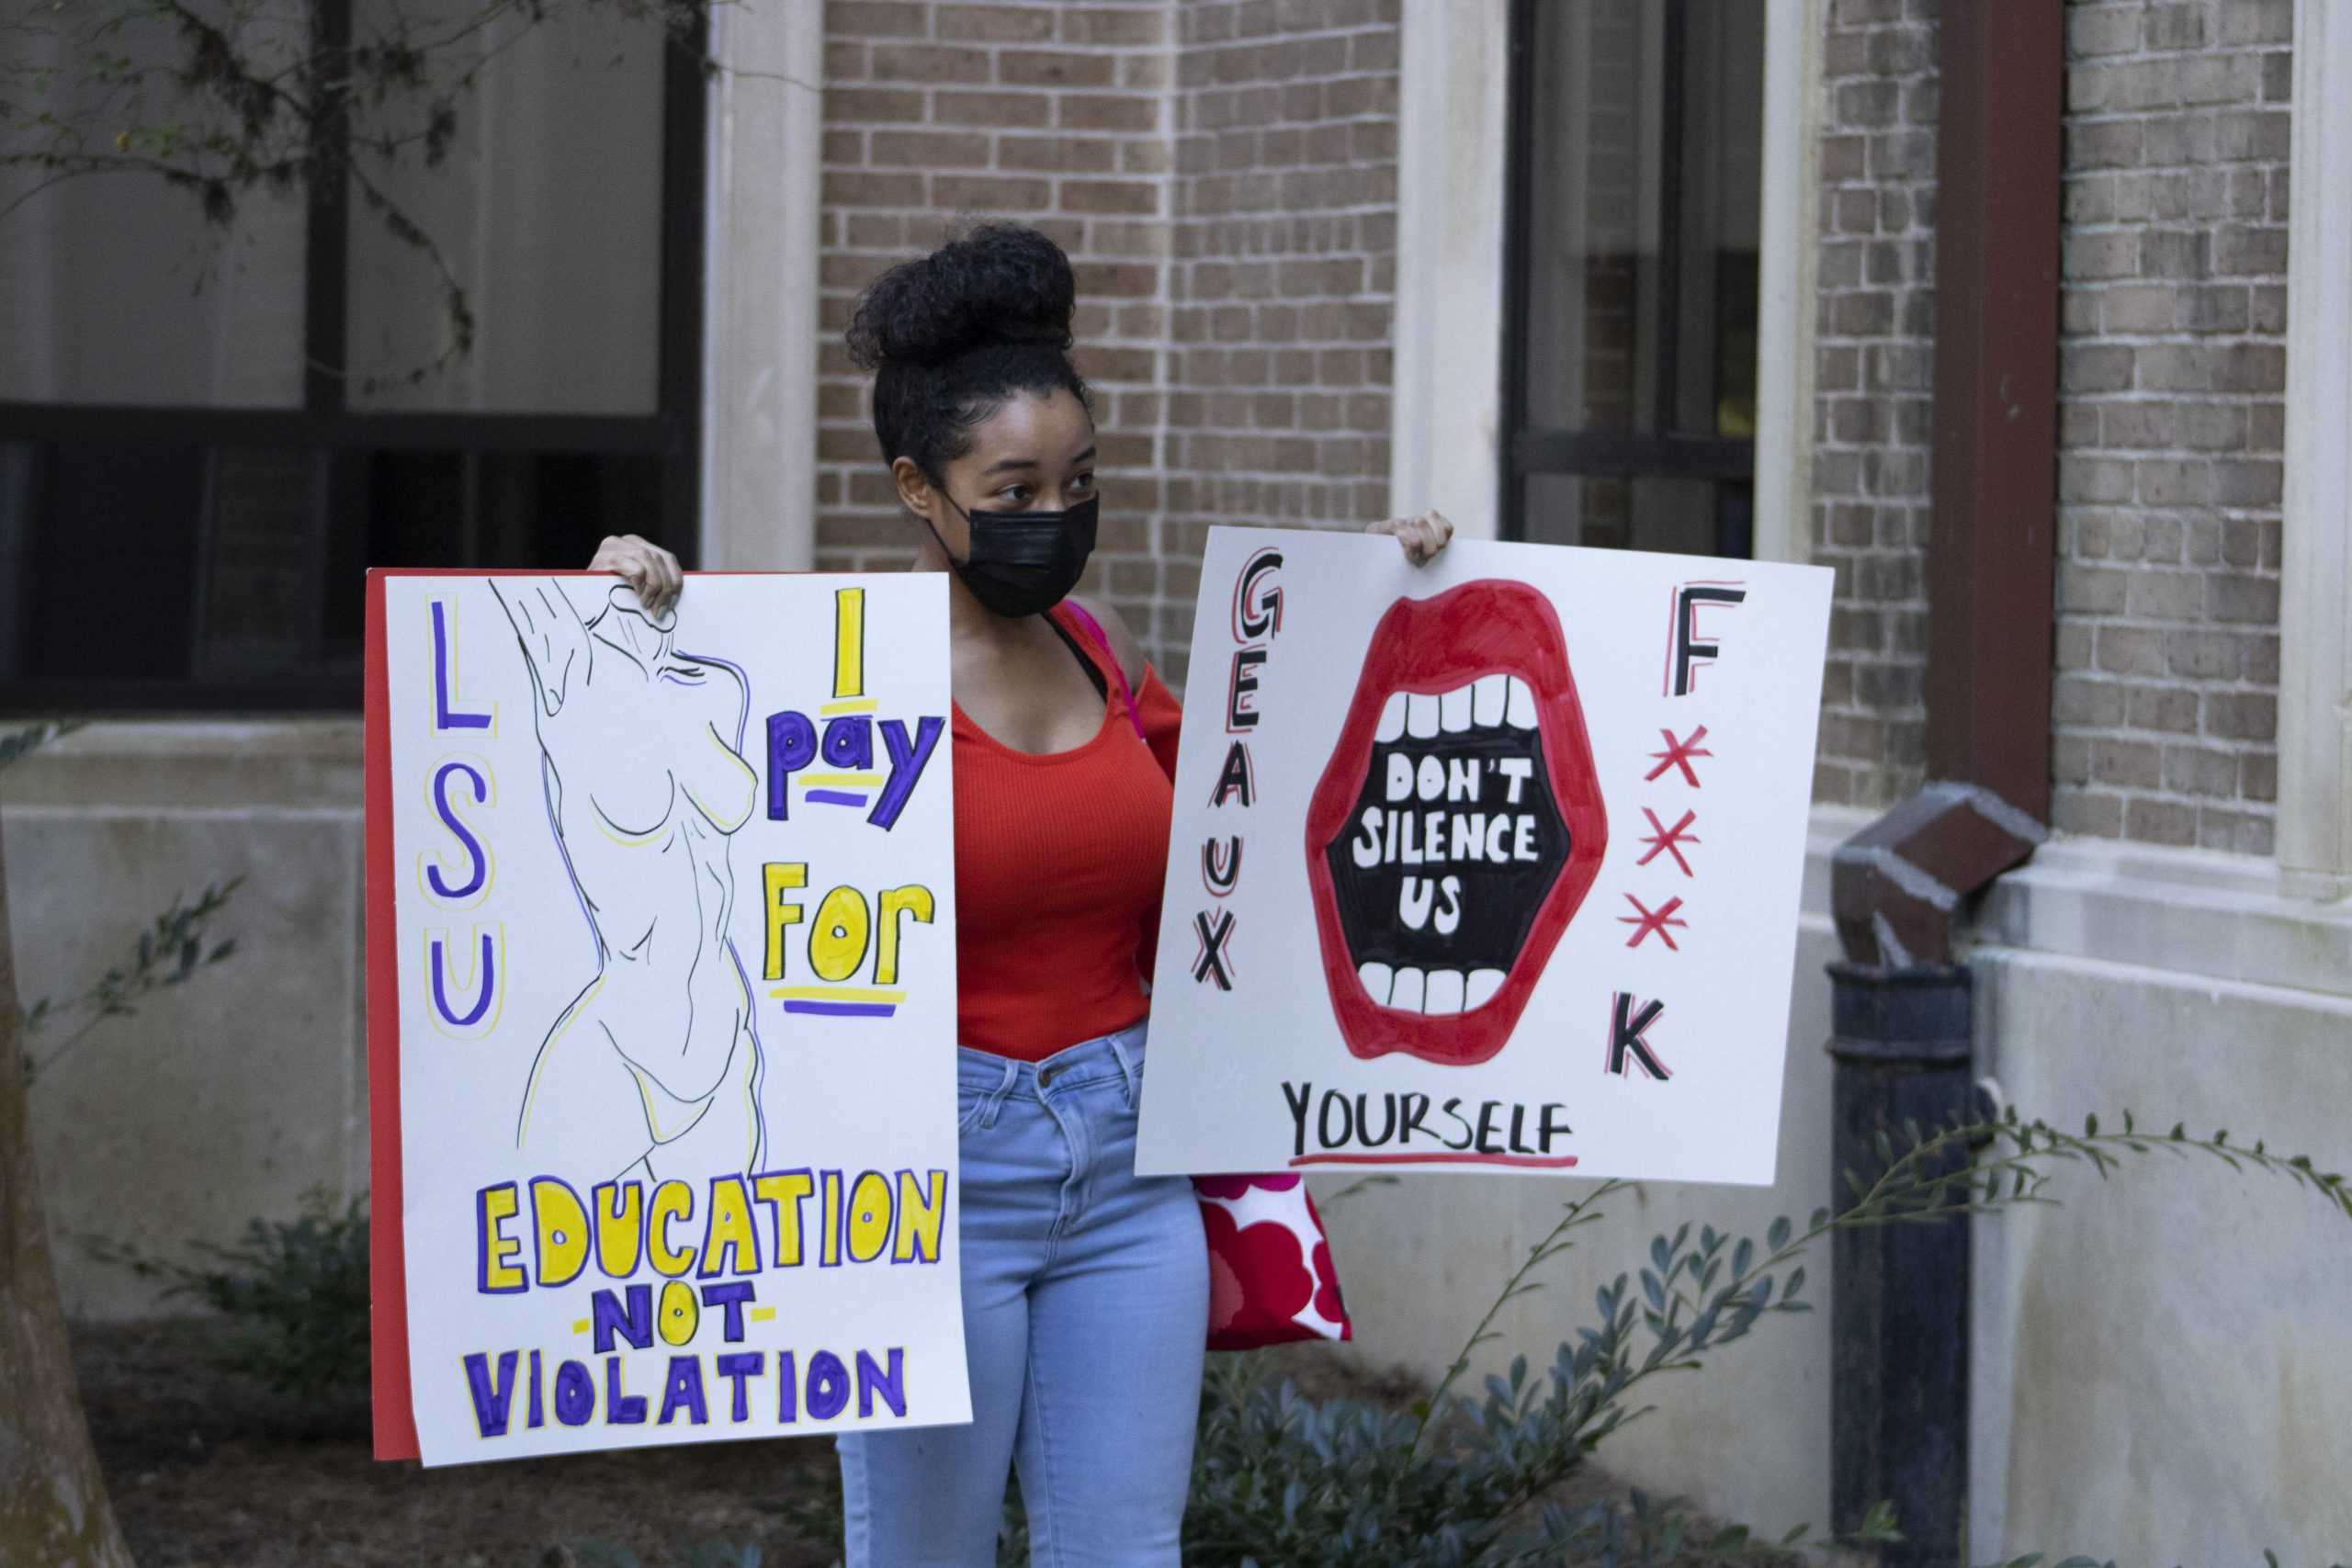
point(952, 335)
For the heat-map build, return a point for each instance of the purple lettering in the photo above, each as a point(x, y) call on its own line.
point(907, 760)
point(491, 1400)
point(448, 815)
point(443, 716)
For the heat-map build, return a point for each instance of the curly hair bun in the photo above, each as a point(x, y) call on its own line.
point(999, 284)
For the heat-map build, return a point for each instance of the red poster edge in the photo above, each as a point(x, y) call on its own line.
point(389, 1386)
point(395, 1416)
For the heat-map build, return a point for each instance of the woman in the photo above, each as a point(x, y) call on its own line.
point(1085, 1288)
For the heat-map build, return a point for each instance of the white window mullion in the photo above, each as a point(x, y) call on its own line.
point(2315, 649)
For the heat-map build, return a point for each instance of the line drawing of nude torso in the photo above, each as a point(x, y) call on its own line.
point(657, 1061)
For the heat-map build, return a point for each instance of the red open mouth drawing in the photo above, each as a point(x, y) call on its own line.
point(1457, 827)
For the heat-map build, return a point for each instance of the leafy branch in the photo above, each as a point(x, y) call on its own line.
point(18, 744)
point(1474, 1482)
point(169, 953)
point(230, 103)
point(1577, 1211)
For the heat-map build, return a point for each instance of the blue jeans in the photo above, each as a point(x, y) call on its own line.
point(1085, 1315)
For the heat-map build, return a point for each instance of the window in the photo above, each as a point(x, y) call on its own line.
point(1631, 277)
point(206, 439)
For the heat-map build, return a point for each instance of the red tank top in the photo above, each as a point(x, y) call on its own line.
point(1058, 864)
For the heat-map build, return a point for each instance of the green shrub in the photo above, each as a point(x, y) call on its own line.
point(1474, 1482)
point(295, 1294)
point(172, 950)
point(1282, 1480)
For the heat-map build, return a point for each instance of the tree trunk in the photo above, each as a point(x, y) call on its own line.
point(53, 1506)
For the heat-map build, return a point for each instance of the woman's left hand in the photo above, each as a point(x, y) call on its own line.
point(1423, 535)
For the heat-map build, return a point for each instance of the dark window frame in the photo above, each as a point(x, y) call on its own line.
point(672, 432)
point(1528, 451)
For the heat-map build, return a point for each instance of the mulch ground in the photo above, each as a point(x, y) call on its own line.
point(209, 1470)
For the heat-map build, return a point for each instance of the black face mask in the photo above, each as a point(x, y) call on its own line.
point(1024, 563)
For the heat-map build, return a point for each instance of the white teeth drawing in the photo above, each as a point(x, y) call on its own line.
point(1487, 702)
point(1444, 994)
point(1488, 696)
point(1519, 708)
point(1420, 716)
point(1433, 993)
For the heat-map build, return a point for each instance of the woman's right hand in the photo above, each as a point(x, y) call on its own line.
point(645, 566)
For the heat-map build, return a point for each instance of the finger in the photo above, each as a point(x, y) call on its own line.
point(609, 552)
point(641, 568)
point(674, 579)
point(1436, 532)
point(636, 570)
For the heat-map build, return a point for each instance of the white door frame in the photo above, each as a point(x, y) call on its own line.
point(2315, 646)
point(762, 231)
point(1445, 448)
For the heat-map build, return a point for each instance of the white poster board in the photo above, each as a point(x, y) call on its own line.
point(675, 973)
point(1490, 864)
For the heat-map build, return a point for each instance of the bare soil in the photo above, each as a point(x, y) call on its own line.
point(209, 1470)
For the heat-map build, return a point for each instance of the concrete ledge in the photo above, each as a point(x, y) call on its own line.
point(2185, 912)
point(2181, 912)
point(195, 765)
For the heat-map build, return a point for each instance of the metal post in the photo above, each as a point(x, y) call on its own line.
point(1899, 1293)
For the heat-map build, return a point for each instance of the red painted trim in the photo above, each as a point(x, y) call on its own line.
point(1991, 556)
point(387, 1250)
point(1529, 1162)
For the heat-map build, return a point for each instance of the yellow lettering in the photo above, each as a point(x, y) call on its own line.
point(838, 944)
point(848, 642)
point(730, 1234)
point(896, 902)
point(778, 878)
point(829, 1249)
point(672, 1199)
point(620, 1227)
point(785, 1190)
point(923, 1211)
point(494, 1207)
point(562, 1226)
point(869, 1217)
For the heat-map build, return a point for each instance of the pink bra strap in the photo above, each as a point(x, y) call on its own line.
point(1093, 629)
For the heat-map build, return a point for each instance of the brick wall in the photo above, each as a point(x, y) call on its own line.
point(1224, 175)
point(1055, 115)
point(1282, 294)
point(2171, 419)
point(1874, 373)
point(1224, 170)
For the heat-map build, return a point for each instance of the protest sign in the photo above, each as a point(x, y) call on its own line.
point(661, 986)
point(1491, 864)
